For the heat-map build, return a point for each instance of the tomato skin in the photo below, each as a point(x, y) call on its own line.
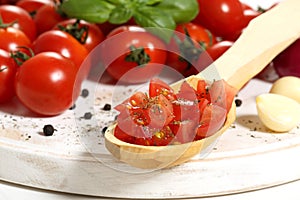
point(212, 119)
point(158, 87)
point(24, 22)
point(64, 44)
point(11, 38)
point(249, 13)
point(48, 88)
point(31, 6)
point(193, 39)
point(212, 53)
point(95, 35)
point(8, 71)
point(144, 44)
point(50, 13)
point(225, 18)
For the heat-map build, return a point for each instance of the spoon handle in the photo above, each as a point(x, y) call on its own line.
point(264, 38)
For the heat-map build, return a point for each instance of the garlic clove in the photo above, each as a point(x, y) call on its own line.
point(287, 86)
point(277, 112)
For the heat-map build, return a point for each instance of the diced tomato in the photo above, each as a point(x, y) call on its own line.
point(163, 137)
point(185, 131)
point(164, 117)
point(202, 90)
point(121, 135)
point(160, 112)
point(158, 87)
point(186, 92)
point(212, 119)
point(139, 99)
point(186, 110)
point(222, 94)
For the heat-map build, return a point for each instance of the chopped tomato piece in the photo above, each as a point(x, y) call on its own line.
point(222, 94)
point(164, 117)
point(158, 87)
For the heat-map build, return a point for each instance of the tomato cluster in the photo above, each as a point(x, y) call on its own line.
point(163, 117)
point(43, 50)
point(41, 55)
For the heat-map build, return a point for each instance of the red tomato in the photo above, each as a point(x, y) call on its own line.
point(21, 19)
point(46, 18)
point(139, 99)
point(31, 6)
point(121, 29)
point(224, 18)
point(133, 57)
point(11, 38)
point(249, 13)
point(212, 53)
point(8, 1)
point(222, 94)
point(46, 85)
point(185, 131)
point(212, 119)
point(160, 112)
point(88, 34)
point(64, 44)
point(8, 69)
point(157, 87)
point(186, 46)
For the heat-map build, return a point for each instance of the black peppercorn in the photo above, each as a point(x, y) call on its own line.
point(107, 107)
point(104, 130)
point(84, 93)
point(87, 115)
point(238, 102)
point(48, 130)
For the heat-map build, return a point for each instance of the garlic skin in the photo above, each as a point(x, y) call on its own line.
point(277, 112)
point(287, 86)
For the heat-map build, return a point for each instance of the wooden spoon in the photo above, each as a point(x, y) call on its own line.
point(264, 38)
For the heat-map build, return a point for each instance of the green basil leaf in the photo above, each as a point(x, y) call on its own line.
point(153, 2)
point(120, 15)
point(181, 10)
point(97, 11)
point(118, 2)
point(147, 16)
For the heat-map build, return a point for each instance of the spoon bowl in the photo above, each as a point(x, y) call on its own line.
point(259, 43)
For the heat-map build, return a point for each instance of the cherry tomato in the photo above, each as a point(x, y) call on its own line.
point(31, 6)
point(212, 53)
point(8, 69)
point(186, 46)
point(46, 83)
point(224, 18)
point(8, 2)
point(88, 34)
point(64, 44)
point(46, 18)
point(11, 38)
point(133, 56)
point(20, 19)
point(249, 13)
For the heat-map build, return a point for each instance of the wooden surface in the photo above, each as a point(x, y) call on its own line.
point(246, 157)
